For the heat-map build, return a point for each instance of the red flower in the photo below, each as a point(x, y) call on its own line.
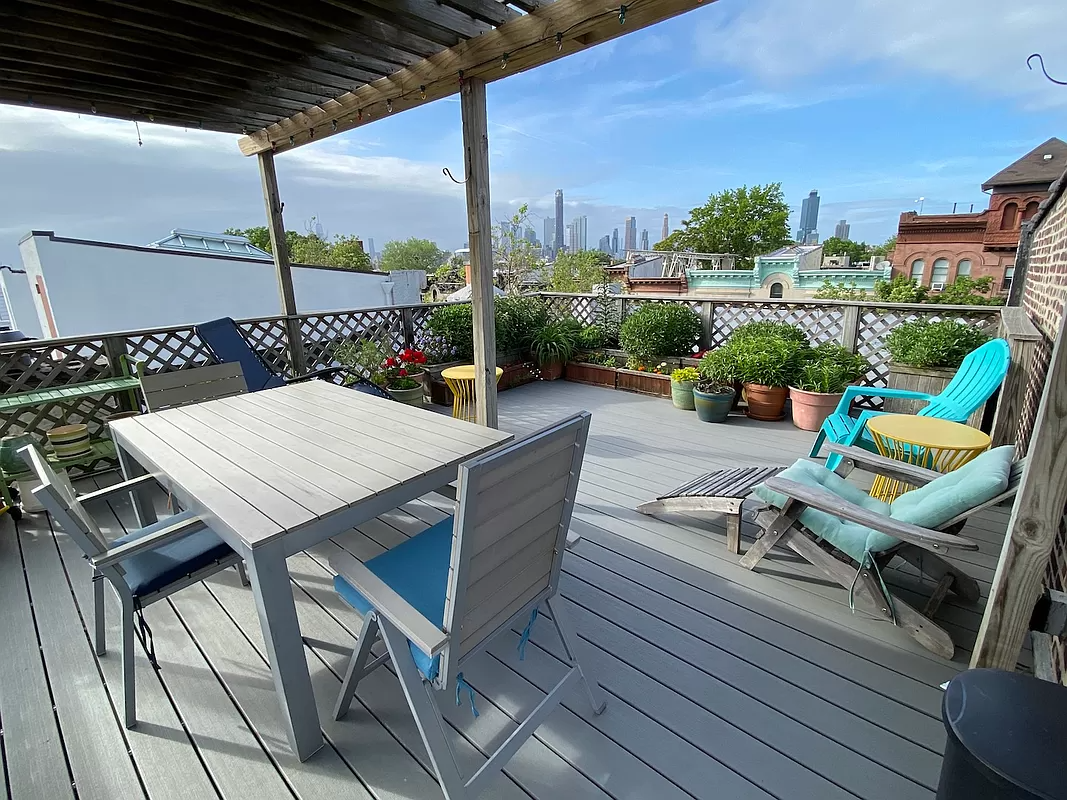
point(402, 372)
point(390, 362)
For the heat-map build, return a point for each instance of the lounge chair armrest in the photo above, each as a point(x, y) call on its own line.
point(855, 392)
point(426, 636)
point(165, 535)
point(823, 500)
point(325, 372)
point(125, 486)
point(890, 468)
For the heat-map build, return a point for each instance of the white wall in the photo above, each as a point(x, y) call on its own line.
point(96, 287)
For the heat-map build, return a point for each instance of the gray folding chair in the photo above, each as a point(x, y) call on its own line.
point(439, 598)
point(163, 390)
point(143, 566)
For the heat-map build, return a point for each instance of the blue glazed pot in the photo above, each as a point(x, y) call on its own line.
point(713, 407)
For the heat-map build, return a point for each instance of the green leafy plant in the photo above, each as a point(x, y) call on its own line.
point(365, 357)
point(518, 318)
point(924, 344)
point(901, 289)
point(554, 343)
point(768, 362)
point(454, 324)
point(658, 330)
point(607, 314)
point(718, 371)
point(597, 357)
point(781, 331)
point(685, 374)
point(591, 337)
point(824, 377)
point(840, 291)
point(966, 291)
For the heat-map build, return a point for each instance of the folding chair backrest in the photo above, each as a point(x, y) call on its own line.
point(184, 386)
point(510, 533)
point(228, 344)
point(980, 374)
point(59, 500)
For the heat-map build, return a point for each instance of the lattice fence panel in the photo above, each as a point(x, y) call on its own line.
point(271, 340)
point(167, 351)
point(820, 323)
point(420, 324)
point(324, 333)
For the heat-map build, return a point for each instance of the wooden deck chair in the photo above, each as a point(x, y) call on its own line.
point(181, 387)
point(851, 537)
point(143, 566)
point(439, 598)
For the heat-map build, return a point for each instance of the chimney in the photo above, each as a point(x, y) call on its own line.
point(467, 274)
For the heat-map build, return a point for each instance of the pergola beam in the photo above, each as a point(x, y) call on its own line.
point(528, 41)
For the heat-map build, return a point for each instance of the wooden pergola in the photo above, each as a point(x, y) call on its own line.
point(283, 76)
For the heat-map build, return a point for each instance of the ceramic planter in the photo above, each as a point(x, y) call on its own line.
point(409, 397)
point(682, 394)
point(632, 380)
point(713, 407)
point(810, 409)
point(70, 441)
point(592, 374)
point(766, 403)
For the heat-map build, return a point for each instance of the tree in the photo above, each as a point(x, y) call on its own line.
point(310, 248)
point(856, 251)
point(577, 272)
point(412, 254)
point(745, 222)
point(901, 289)
point(258, 236)
point(516, 258)
point(965, 291)
point(885, 249)
point(839, 291)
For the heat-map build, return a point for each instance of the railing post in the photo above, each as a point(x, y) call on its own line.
point(850, 328)
point(407, 324)
point(707, 324)
point(115, 350)
point(297, 360)
point(1022, 337)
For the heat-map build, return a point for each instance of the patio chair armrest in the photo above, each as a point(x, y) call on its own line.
point(880, 465)
point(164, 535)
point(826, 501)
point(854, 392)
point(125, 486)
point(325, 372)
point(426, 636)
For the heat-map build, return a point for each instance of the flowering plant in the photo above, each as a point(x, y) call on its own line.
point(400, 371)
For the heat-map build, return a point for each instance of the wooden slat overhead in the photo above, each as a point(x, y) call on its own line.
point(283, 73)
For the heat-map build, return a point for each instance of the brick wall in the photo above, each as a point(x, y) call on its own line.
point(1044, 295)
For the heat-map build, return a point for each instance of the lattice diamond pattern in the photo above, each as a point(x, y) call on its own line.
point(166, 351)
point(271, 340)
point(820, 323)
point(324, 333)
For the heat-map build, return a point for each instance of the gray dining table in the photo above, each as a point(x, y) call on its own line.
point(277, 471)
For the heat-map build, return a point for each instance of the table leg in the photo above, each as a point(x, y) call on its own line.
point(285, 649)
point(143, 509)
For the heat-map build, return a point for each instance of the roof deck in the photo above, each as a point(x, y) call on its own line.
point(721, 682)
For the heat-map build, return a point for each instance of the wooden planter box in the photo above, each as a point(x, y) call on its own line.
point(931, 380)
point(516, 373)
point(630, 380)
point(592, 374)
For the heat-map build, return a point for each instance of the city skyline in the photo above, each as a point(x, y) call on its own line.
point(559, 222)
point(666, 228)
point(629, 241)
point(841, 229)
point(809, 218)
point(644, 239)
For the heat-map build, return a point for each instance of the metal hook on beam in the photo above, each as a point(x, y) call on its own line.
point(1041, 61)
point(448, 172)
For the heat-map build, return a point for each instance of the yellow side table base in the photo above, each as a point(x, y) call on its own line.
point(460, 381)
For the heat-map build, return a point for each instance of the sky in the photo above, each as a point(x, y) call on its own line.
point(874, 104)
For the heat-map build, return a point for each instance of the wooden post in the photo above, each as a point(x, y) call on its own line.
point(1035, 521)
point(1022, 337)
point(280, 249)
point(407, 325)
point(479, 226)
point(850, 327)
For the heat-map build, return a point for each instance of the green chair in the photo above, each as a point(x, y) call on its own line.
point(980, 374)
point(852, 537)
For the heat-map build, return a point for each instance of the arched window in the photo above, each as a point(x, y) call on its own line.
point(964, 268)
point(1030, 210)
point(918, 266)
point(940, 271)
point(1010, 218)
point(776, 290)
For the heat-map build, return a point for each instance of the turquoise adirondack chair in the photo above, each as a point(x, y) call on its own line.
point(980, 374)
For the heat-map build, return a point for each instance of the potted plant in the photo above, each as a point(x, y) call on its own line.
point(766, 367)
point(683, 380)
point(714, 394)
point(654, 338)
point(402, 375)
point(553, 346)
point(820, 383)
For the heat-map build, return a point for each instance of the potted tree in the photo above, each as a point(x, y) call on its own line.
point(766, 367)
point(654, 337)
point(714, 393)
point(820, 383)
point(683, 380)
point(553, 346)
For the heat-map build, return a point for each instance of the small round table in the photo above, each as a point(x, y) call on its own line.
point(928, 442)
point(461, 381)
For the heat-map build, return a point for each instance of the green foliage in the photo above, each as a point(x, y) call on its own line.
point(884, 249)
point(856, 251)
point(966, 291)
point(829, 368)
point(258, 236)
point(310, 248)
point(591, 337)
point(554, 343)
point(683, 374)
point(577, 272)
point(746, 222)
point(515, 258)
point(768, 361)
point(658, 330)
point(718, 371)
point(412, 253)
point(597, 357)
point(750, 331)
point(454, 324)
point(518, 318)
point(607, 315)
point(901, 289)
point(449, 273)
point(365, 357)
point(839, 291)
point(933, 344)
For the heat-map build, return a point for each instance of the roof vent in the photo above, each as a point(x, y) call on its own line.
point(1047, 156)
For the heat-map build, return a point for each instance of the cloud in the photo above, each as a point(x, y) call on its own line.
point(978, 43)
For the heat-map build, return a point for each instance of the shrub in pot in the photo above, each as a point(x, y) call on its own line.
point(682, 382)
point(659, 330)
point(782, 331)
point(820, 383)
point(552, 346)
point(766, 367)
point(714, 393)
point(925, 344)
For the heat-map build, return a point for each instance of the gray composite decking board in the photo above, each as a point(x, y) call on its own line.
point(95, 742)
point(31, 735)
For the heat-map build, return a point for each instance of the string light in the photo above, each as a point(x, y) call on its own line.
point(151, 117)
point(292, 141)
point(311, 133)
point(29, 99)
point(333, 125)
point(422, 92)
point(622, 14)
point(559, 42)
point(461, 79)
point(504, 60)
point(92, 107)
point(389, 105)
point(359, 114)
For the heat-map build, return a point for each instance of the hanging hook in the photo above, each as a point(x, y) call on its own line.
point(137, 127)
point(559, 42)
point(1041, 61)
point(448, 172)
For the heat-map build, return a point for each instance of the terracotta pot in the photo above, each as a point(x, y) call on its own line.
point(552, 371)
point(713, 407)
point(810, 409)
point(766, 403)
point(682, 395)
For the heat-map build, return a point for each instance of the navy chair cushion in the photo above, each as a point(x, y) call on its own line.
point(228, 344)
point(417, 570)
point(156, 569)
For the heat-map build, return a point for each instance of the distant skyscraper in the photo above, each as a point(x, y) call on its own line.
point(841, 230)
point(809, 216)
point(559, 219)
point(549, 248)
point(530, 235)
point(581, 233)
point(572, 238)
point(666, 228)
point(630, 234)
point(370, 251)
point(644, 239)
point(605, 244)
point(615, 242)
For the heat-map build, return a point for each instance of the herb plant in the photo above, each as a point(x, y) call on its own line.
point(554, 343)
point(718, 371)
point(685, 375)
point(925, 344)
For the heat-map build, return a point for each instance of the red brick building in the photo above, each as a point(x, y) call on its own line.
point(937, 248)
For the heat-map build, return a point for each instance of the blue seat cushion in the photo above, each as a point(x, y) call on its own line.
point(848, 537)
point(153, 570)
point(417, 570)
point(976, 482)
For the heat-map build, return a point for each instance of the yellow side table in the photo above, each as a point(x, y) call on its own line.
point(928, 442)
point(460, 380)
